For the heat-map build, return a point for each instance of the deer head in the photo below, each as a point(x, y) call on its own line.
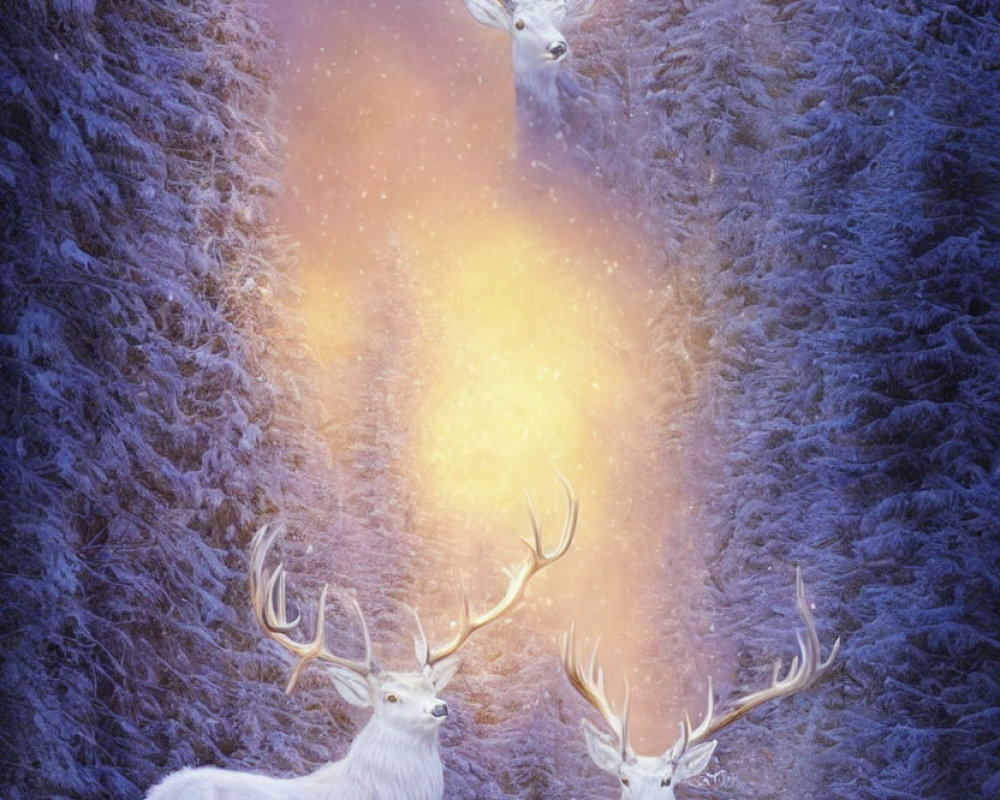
point(656, 777)
point(359, 681)
point(538, 31)
point(405, 700)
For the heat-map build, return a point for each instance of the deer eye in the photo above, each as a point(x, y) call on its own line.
point(519, 24)
point(391, 698)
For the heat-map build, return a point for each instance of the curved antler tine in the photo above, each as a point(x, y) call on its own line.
point(696, 734)
point(812, 636)
point(810, 645)
point(626, 717)
point(366, 638)
point(834, 649)
point(800, 592)
point(260, 544)
point(282, 605)
point(536, 528)
point(776, 671)
point(535, 560)
point(420, 645)
point(256, 555)
point(464, 612)
point(678, 748)
point(805, 660)
point(268, 597)
point(275, 608)
point(569, 527)
point(311, 650)
point(594, 669)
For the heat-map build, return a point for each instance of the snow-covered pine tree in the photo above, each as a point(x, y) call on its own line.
point(146, 424)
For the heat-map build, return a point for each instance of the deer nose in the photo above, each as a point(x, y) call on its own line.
point(557, 50)
point(440, 710)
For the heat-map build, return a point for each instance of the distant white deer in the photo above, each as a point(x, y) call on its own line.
point(537, 28)
point(395, 756)
point(655, 777)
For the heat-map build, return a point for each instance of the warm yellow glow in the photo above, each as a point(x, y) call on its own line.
point(334, 323)
point(503, 317)
point(517, 372)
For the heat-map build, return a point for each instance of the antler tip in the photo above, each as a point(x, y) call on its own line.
point(535, 560)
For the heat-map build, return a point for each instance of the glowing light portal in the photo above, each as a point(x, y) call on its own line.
point(521, 364)
point(503, 325)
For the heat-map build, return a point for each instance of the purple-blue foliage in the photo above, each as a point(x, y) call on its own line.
point(139, 442)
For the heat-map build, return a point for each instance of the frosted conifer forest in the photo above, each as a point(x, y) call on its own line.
point(259, 262)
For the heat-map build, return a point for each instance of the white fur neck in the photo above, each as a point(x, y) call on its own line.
point(401, 766)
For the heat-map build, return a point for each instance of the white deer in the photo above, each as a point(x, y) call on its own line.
point(537, 29)
point(395, 756)
point(656, 777)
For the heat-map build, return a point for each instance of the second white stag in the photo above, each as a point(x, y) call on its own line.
point(656, 777)
point(395, 756)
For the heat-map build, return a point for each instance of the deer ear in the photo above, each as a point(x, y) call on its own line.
point(442, 672)
point(602, 749)
point(490, 13)
point(694, 761)
point(352, 687)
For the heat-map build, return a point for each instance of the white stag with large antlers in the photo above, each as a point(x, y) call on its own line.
point(538, 31)
point(395, 756)
point(656, 777)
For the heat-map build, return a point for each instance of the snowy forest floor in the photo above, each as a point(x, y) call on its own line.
point(814, 189)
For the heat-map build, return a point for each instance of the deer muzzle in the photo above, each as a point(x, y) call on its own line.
point(557, 50)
